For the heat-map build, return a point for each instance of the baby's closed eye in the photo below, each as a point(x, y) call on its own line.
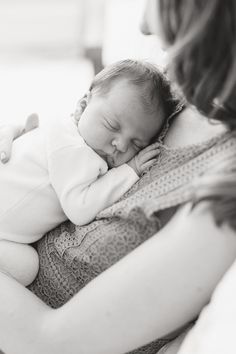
point(111, 126)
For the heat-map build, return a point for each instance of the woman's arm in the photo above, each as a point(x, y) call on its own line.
point(158, 287)
point(174, 346)
point(214, 332)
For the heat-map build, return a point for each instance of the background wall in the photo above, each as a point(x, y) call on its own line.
point(48, 49)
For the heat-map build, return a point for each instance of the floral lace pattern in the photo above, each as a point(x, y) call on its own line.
point(71, 256)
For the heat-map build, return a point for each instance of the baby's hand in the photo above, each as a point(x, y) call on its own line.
point(10, 132)
point(144, 159)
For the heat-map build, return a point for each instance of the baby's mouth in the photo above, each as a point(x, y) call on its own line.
point(110, 161)
point(101, 153)
point(108, 158)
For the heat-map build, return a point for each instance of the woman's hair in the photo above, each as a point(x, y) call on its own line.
point(152, 85)
point(202, 34)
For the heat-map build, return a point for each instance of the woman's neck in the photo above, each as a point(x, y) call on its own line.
point(190, 127)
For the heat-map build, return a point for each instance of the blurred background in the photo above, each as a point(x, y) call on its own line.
point(51, 49)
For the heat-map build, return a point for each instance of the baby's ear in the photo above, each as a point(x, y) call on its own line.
point(81, 105)
point(83, 102)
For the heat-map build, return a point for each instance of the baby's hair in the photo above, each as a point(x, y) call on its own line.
point(154, 88)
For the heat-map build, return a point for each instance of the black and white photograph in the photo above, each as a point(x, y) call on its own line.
point(117, 176)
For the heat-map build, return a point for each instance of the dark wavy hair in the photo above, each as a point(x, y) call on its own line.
point(202, 37)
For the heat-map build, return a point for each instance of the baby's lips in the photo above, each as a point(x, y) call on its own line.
point(110, 161)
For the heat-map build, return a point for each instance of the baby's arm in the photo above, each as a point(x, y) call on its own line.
point(83, 184)
point(80, 177)
point(110, 187)
point(83, 188)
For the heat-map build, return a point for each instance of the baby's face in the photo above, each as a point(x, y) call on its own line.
point(116, 126)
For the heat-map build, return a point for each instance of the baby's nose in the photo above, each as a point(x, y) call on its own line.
point(122, 145)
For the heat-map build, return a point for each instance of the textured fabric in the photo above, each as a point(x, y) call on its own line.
point(78, 174)
point(54, 175)
point(72, 256)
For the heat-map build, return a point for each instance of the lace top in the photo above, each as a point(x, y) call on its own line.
point(71, 256)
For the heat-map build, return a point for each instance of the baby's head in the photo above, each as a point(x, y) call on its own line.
point(126, 107)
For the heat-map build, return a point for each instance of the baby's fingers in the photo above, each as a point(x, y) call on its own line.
point(7, 134)
point(151, 147)
point(148, 155)
point(147, 149)
point(148, 164)
point(32, 122)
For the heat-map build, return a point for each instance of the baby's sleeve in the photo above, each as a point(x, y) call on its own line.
point(80, 177)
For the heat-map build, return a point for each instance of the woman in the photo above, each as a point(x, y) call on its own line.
point(165, 282)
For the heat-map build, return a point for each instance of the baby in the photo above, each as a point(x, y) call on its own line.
point(76, 168)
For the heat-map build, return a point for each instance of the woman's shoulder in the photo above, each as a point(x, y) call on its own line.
point(191, 127)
